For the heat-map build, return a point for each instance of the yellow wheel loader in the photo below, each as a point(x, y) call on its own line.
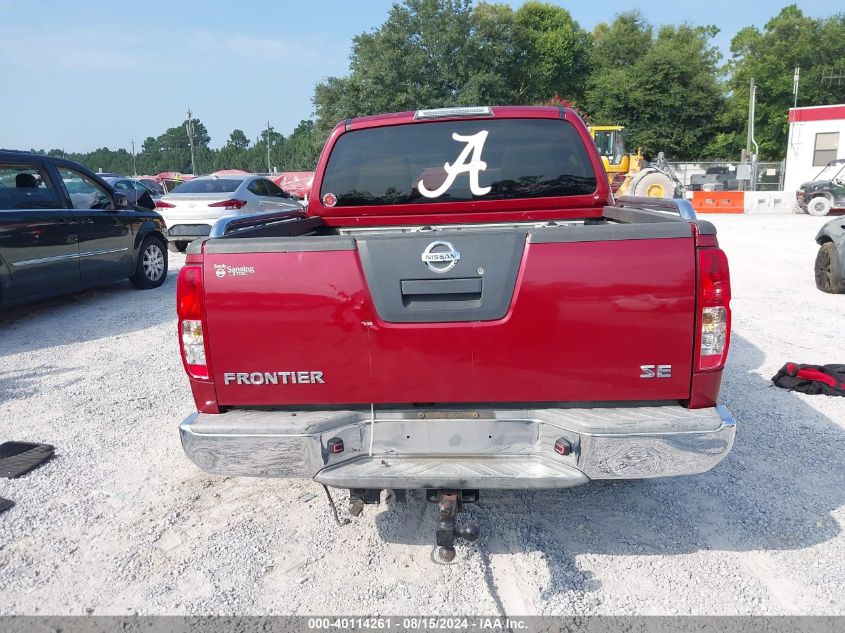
point(631, 174)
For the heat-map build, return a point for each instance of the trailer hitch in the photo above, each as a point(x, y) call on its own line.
point(449, 505)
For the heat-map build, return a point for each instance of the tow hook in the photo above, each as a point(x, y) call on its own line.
point(449, 505)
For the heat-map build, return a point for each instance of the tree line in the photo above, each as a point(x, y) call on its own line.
point(667, 84)
point(171, 151)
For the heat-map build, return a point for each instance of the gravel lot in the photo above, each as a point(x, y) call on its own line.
point(121, 522)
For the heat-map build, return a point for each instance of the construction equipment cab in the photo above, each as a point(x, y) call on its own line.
point(610, 143)
point(462, 306)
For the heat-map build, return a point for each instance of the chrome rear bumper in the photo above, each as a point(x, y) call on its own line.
point(465, 448)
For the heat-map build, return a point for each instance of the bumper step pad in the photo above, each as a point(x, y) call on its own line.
point(515, 472)
point(18, 458)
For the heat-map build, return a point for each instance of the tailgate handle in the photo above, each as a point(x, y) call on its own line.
point(471, 285)
point(465, 291)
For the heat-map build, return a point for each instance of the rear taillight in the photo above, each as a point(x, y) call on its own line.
point(161, 204)
point(714, 321)
point(229, 204)
point(189, 311)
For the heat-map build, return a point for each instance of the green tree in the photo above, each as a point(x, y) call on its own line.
point(276, 138)
point(301, 148)
point(170, 152)
point(434, 53)
point(556, 53)
point(663, 88)
point(621, 42)
point(119, 161)
point(149, 156)
point(769, 57)
point(238, 140)
point(418, 57)
point(172, 149)
point(258, 160)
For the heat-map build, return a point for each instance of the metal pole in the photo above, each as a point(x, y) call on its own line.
point(268, 147)
point(795, 79)
point(134, 167)
point(189, 126)
point(750, 117)
point(751, 110)
point(753, 107)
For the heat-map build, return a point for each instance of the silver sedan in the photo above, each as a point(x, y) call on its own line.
point(193, 207)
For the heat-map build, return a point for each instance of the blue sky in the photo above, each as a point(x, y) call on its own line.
point(81, 75)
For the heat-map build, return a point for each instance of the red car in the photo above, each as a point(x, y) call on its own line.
point(462, 306)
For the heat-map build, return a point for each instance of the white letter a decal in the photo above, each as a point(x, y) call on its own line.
point(474, 145)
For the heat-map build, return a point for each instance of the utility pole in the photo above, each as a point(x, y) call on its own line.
point(268, 147)
point(189, 128)
point(752, 104)
point(134, 167)
point(748, 132)
point(795, 79)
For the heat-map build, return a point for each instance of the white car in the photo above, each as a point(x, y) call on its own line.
point(193, 207)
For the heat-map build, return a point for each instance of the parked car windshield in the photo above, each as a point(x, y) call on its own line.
point(153, 186)
point(831, 170)
point(451, 161)
point(209, 185)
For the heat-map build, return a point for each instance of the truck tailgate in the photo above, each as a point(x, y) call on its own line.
point(566, 315)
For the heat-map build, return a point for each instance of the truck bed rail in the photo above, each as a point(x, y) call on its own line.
point(672, 205)
point(249, 225)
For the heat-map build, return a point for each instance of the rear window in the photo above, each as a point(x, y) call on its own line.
point(152, 185)
point(213, 185)
point(457, 161)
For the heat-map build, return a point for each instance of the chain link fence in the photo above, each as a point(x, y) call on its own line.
point(729, 176)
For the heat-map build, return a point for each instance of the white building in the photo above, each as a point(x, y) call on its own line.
point(816, 137)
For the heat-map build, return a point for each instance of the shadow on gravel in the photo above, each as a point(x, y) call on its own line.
point(99, 313)
point(776, 490)
point(23, 383)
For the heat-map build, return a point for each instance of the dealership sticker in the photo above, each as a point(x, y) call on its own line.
point(329, 200)
point(224, 270)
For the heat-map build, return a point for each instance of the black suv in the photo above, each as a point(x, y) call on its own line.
point(63, 228)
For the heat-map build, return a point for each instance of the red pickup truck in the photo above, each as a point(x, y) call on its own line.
point(462, 306)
